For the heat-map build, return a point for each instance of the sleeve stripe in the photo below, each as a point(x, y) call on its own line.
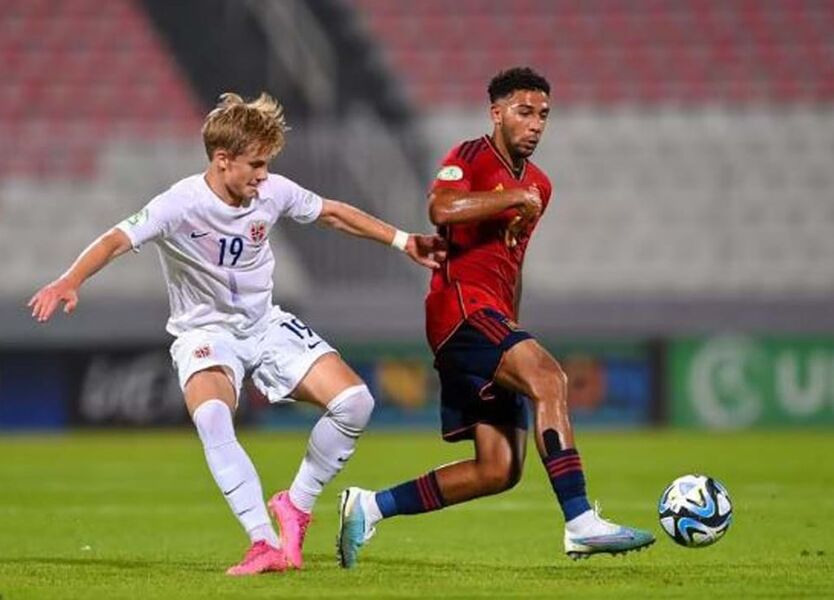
point(471, 152)
point(464, 147)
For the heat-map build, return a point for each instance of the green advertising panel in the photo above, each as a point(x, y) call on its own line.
point(732, 382)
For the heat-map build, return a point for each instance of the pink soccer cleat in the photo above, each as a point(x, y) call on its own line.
point(260, 558)
point(293, 523)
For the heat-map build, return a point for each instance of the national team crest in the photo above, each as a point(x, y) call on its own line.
point(202, 351)
point(257, 231)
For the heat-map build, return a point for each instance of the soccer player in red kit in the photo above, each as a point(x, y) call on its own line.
point(486, 200)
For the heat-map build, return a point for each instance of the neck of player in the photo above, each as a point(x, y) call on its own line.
point(517, 162)
point(223, 193)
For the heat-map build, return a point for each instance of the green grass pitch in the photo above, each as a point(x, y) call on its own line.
point(136, 515)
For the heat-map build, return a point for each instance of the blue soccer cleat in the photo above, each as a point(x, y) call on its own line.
point(354, 527)
point(591, 534)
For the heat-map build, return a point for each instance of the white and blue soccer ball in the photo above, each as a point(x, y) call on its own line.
point(695, 510)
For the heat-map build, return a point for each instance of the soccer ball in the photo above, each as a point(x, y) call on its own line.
point(695, 510)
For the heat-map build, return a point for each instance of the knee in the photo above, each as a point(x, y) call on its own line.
point(353, 407)
point(213, 420)
point(549, 383)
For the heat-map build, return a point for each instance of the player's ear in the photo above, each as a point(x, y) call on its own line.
point(221, 157)
point(495, 113)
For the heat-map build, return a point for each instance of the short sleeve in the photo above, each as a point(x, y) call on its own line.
point(455, 172)
point(294, 201)
point(157, 220)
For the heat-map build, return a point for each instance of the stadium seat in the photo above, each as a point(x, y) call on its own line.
point(785, 48)
point(97, 64)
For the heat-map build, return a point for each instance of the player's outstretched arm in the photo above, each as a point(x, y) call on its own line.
point(448, 206)
point(426, 250)
point(65, 289)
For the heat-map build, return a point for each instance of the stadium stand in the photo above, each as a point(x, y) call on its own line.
point(77, 73)
point(98, 115)
point(605, 52)
point(103, 104)
point(689, 145)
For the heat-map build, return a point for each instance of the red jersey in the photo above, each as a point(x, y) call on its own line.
point(484, 260)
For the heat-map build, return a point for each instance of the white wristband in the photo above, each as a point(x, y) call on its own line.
point(400, 240)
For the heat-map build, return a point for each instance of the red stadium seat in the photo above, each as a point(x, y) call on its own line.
point(694, 51)
point(76, 71)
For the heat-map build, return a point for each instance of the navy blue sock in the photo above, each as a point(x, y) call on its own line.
point(412, 497)
point(565, 471)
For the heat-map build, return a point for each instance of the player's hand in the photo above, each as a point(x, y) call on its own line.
point(529, 209)
point(426, 250)
point(530, 203)
point(514, 231)
point(48, 298)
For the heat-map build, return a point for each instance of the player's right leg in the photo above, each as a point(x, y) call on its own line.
point(529, 369)
point(295, 364)
point(210, 373)
point(497, 466)
point(471, 408)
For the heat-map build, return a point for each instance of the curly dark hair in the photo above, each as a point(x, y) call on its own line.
point(517, 78)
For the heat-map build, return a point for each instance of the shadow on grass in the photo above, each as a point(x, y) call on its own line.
point(112, 563)
point(568, 569)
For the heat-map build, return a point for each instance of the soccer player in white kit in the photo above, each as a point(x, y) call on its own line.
point(211, 231)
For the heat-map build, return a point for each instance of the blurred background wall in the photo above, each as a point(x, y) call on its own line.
point(684, 272)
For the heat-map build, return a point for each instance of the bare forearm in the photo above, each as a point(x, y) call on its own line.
point(349, 219)
point(426, 250)
point(104, 249)
point(64, 290)
point(452, 206)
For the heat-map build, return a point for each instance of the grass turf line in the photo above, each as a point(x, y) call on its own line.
point(136, 514)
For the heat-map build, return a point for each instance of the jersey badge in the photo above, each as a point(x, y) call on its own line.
point(138, 218)
point(203, 351)
point(450, 173)
point(257, 231)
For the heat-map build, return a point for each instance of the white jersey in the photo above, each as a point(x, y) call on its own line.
point(216, 258)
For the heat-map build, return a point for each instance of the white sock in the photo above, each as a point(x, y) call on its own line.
point(233, 471)
point(580, 523)
point(590, 523)
point(331, 444)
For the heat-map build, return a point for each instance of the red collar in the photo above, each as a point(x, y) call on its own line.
point(508, 166)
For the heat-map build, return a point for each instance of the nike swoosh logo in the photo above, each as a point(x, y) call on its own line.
point(311, 346)
point(195, 235)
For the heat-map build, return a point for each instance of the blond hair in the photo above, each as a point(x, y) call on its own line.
point(237, 126)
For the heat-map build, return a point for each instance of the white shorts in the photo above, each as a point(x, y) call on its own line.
point(277, 359)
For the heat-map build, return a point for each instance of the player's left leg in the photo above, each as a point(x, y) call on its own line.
point(527, 368)
point(347, 403)
point(296, 364)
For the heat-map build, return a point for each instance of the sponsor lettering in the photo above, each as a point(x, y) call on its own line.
point(732, 382)
point(139, 390)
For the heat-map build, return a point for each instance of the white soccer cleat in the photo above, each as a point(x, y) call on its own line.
point(590, 534)
point(355, 528)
